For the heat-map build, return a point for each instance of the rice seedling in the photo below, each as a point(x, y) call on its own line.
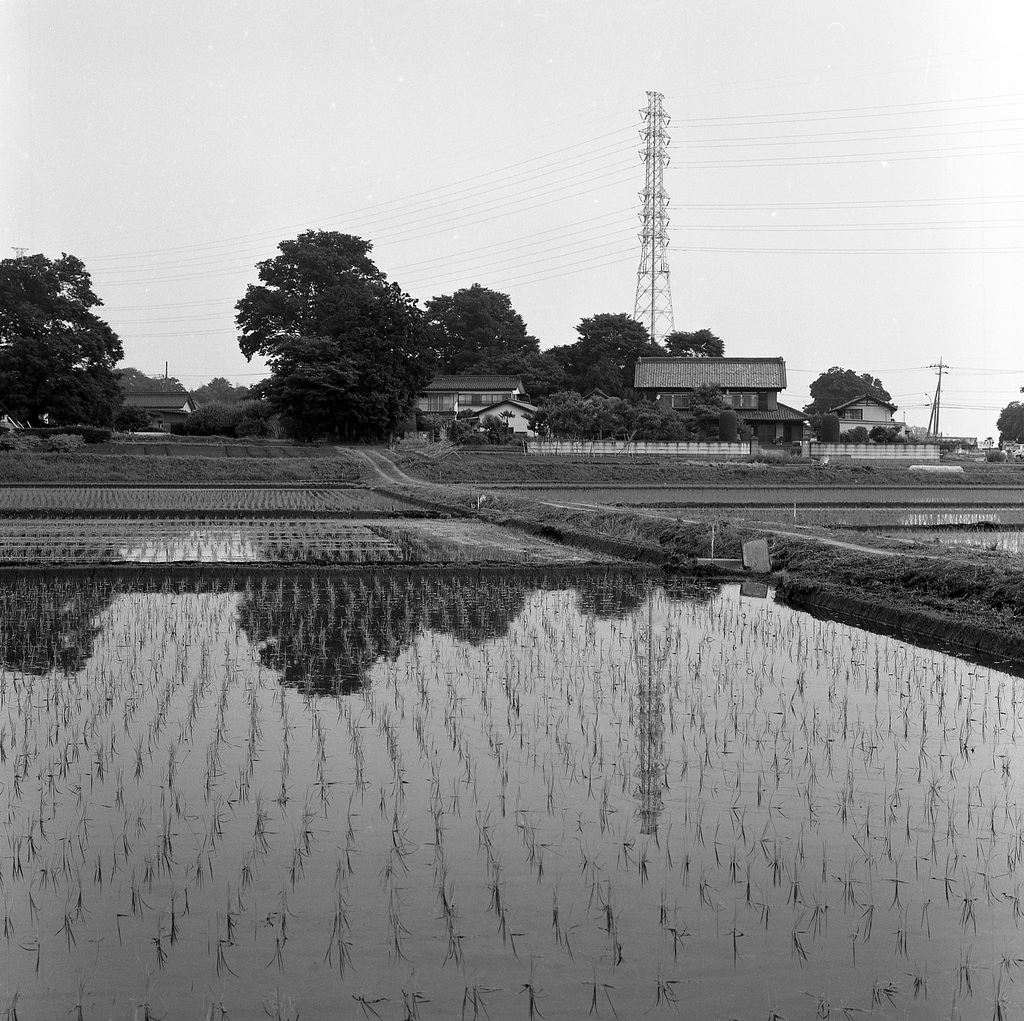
point(469, 769)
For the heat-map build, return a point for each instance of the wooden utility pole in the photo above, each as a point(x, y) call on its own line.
point(933, 418)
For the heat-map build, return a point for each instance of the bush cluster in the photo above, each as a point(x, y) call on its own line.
point(244, 418)
point(87, 433)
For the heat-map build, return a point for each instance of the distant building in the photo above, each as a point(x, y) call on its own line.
point(514, 414)
point(749, 385)
point(449, 396)
point(166, 406)
point(866, 411)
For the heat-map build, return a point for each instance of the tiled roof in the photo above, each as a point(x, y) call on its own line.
point(162, 400)
point(783, 413)
point(473, 384)
point(861, 399)
point(728, 373)
point(528, 408)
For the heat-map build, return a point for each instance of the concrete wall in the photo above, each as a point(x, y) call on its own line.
point(918, 453)
point(593, 448)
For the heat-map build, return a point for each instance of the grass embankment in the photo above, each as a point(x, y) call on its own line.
point(489, 469)
point(139, 469)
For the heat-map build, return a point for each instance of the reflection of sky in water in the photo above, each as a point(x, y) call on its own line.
point(542, 787)
point(1008, 542)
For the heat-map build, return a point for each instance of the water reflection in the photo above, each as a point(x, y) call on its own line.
point(324, 635)
point(51, 624)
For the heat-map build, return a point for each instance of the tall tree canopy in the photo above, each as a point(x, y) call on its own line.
point(474, 326)
point(702, 344)
point(836, 386)
point(348, 351)
point(57, 356)
point(220, 391)
point(1011, 422)
point(605, 355)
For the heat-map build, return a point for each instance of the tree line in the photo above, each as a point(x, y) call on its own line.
point(349, 352)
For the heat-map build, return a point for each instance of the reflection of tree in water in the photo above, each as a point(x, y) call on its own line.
point(611, 595)
point(324, 634)
point(49, 623)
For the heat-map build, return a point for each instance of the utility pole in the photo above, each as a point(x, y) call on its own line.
point(653, 293)
point(933, 418)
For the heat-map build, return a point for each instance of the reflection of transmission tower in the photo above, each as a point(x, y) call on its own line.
point(651, 735)
point(653, 294)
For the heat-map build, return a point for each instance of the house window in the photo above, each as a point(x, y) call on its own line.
point(482, 400)
point(854, 414)
point(680, 402)
point(741, 400)
point(440, 403)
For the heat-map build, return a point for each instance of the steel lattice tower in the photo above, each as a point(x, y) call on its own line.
point(653, 293)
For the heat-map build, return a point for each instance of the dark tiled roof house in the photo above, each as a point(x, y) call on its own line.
point(750, 385)
point(165, 405)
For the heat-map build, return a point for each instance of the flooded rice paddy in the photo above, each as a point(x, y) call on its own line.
point(495, 796)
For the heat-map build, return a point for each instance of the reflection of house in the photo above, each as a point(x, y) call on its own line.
point(750, 385)
point(165, 406)
point(864, 411)
point(448, 396)
point(514, 414)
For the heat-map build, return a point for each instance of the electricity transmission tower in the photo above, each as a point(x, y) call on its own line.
point(653, 293)
point(933, 418)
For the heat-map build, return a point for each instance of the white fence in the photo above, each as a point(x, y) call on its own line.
point(602, 448)
point(916, 452)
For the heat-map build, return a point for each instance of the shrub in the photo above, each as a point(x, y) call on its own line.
point(252, 418)
point(211, 420)
point(727, 420)
point(858, 435)
point(131, 418)
point(88, 433)
point(993, 456)
point(830, 430)
point(64, 443)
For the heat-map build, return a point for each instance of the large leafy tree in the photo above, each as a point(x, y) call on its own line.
point(220, 391)
point(474, 326)
point(57, 356)
point(605, 354)
point(701, 344)
point(1011, 422)
point(348, 351)
point(836, 386)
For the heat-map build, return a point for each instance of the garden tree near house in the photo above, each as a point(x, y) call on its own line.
point(57, 356)
point(474, 326)
point(541, 373)
point(1011, 423)
point(605, 354)
point(568, 415)
point(701, 344)
point(348, 352)
point(706, 406)
point(836, 386)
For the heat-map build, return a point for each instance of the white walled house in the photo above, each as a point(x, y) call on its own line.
point(518, 420)
point(864, 411)
point(448, 396)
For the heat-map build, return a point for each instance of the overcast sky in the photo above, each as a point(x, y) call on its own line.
point(845, 181)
